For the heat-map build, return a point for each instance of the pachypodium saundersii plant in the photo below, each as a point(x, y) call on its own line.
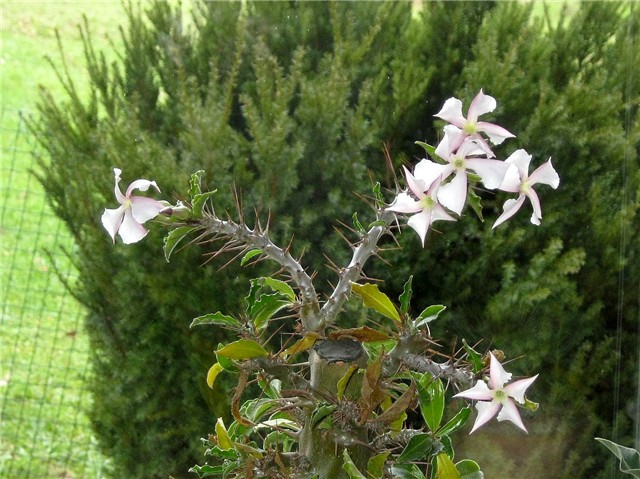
point(351, 402)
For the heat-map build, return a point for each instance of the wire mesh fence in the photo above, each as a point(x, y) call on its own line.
point(45, 432)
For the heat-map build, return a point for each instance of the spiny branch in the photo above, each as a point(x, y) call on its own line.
point(257, 238)
point(410, 352)
point(361, 253)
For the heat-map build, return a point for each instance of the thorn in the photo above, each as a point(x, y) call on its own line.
point(346, 240)
point(389, 162)
point(332, 266)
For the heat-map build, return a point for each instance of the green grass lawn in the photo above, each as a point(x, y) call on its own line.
point(43, 362)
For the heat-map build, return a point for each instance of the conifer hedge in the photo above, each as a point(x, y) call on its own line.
point(292, 103)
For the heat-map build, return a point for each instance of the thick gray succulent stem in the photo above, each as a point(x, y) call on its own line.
point(409, 352)
point(367, 247)
point(241, 234)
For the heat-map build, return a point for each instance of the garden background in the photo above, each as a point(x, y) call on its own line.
point(241, 99)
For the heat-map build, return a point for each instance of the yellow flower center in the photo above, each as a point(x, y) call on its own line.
point(427, 203)
point(458, 162)
point(470, 127)
point(500, 395)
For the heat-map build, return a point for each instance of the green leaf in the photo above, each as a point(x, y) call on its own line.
point(405, 297)
point(250, 450)
point(375, 465)
point(255, 409)
point(174, 237)
point(280, 287)
point(375, 299)
point(212, 374)
point(195, 183)
point(265, 307)
point(207, 470)
point(254, 290)
point(377, 193)
point(431, 150)
point(250, 255)
point(475, 358)
point(350, 468)
point(224, 441)
point(530, 405)
point(447, 446)
point(302, 344)
point(406, 471)
point(218, 319)
point(320, 413)
point(277, 440)
point(271, 388)
point(429, 314)
point(474, 202)
point(215, 451)
point(225, 362)
point(357, 225)
point(629, 458)
point(342, 383)
point(243, 349)
point(469, 469)
point(198, 202)
point(456, 422)
point(417, 449)
point(446, 469)
point(431, 395)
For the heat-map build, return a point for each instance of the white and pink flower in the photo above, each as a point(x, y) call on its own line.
point(422, 202)
point(461, 156)
point(481, 104)
point(133, 212)
point(495, 398)
point(517, 180)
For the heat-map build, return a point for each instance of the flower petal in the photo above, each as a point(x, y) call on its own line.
point(486, 410)
point(428, 172)
point(404, 203)
point(472, 146)
point(546, 175)
point(416, 185)
point(510, 207)
point(111, 220)
point(438, 213)
point(509, 412)
point(496, 133)
point(521, 159)
point(452, 139)
point(511, 181)
point(420, 222)
point(479, 392)
point(535, 202)
point(142, 185)
point(517, 388)
point(119, 196)
point(480, 105)
point(452, 112)
point(144, 209)
point(454, 194)
point(497, 375)
point(492, 172)
point(130, 230)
